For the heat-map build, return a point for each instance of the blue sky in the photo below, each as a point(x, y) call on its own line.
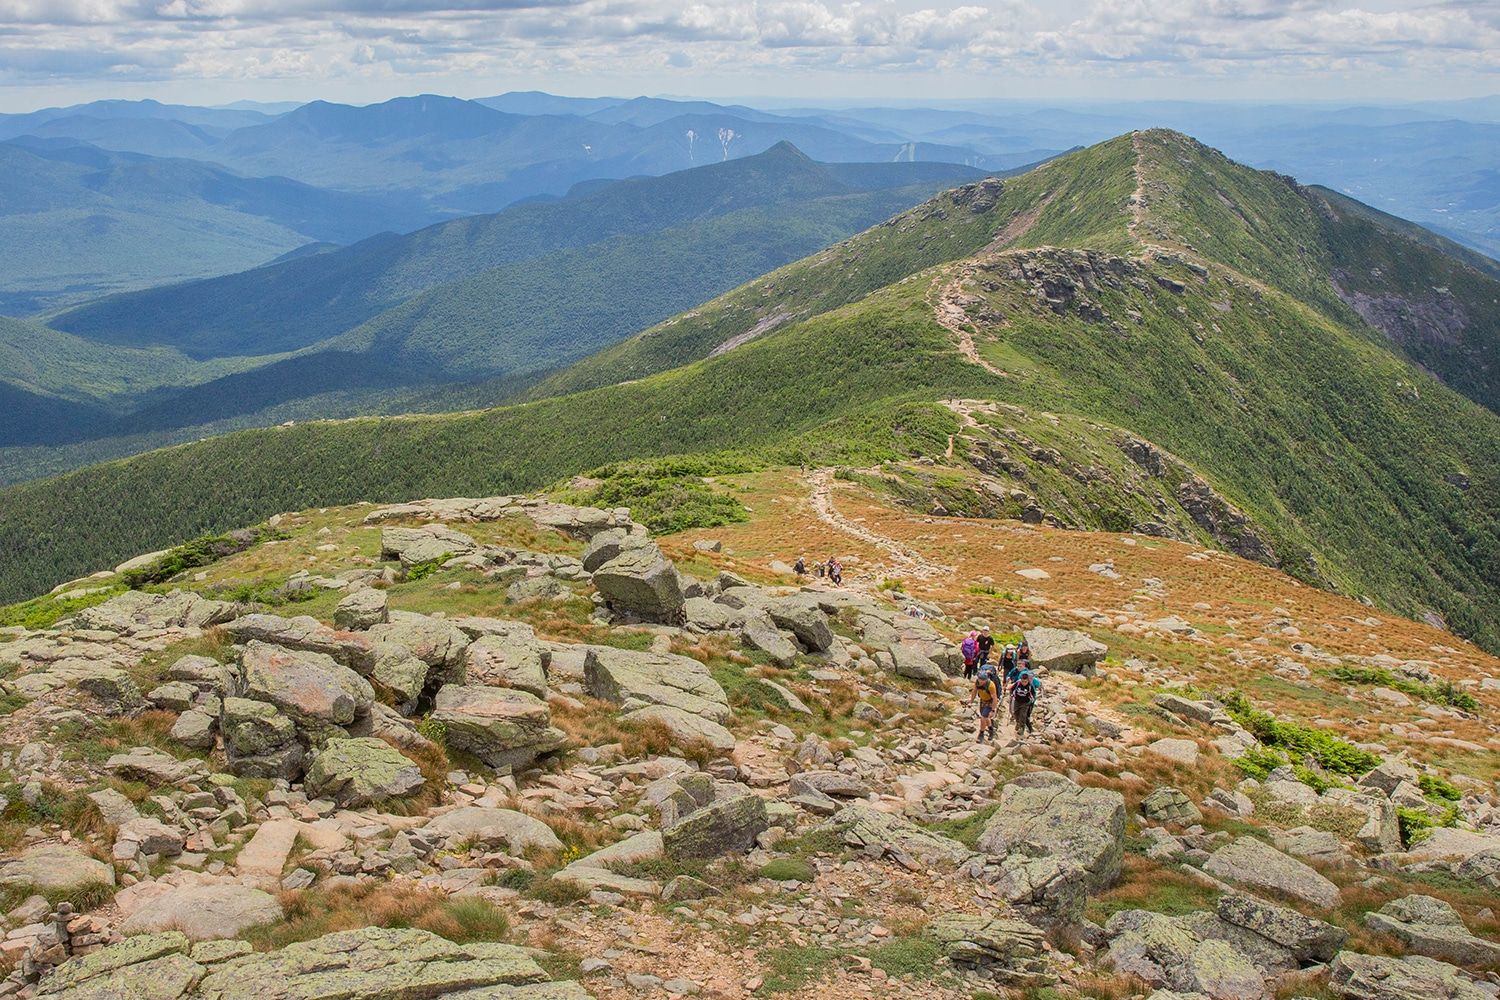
point(208, 51)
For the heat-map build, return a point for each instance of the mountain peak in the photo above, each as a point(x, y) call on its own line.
point(786, 148)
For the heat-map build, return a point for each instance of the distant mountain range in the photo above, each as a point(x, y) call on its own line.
point(440, 318)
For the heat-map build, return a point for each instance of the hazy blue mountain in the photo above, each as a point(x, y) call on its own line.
point(79, 221)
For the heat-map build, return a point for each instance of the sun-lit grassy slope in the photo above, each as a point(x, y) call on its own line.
point(1186, 316)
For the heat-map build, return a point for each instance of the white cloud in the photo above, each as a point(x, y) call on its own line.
point(328, 40)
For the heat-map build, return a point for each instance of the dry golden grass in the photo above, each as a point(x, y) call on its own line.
point(596, 724)
point(314, 912)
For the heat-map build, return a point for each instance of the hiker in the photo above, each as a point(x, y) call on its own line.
point(1010, 669)
point(801, 567)
point(988, 672)
point(1023, 696)
point(819, 569)
point(1023, 654)
point(970, 650)
point(986, 645)
point(836, 572)
point(987, 695)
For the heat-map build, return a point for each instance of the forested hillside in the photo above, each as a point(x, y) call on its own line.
point(1157, 298)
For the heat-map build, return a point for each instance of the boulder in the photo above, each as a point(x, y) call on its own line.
point(500, 726)
point(306, 634)
point(204, 912)
point(361, 772)
point(760, 632)
point(399, 673)
point(195, 729)
point(642, 581)
point(115, 808)
point(1390, 773)
point(312, 688)
point(1451, 842)
point(151, 836)
point(1481, 869)
point(153, 767)
point(1353, 976)
point(1064, 650)
point(609, 543)
point(362, 609)
point(866, 828)
point(431, 543)
point(138, 611)
point(728, 824)
point(1431, 927)
point(506, 661)
point(1381, 831)
point(1003, 948)
point(56, 869)
point(914, 664)
point(436, 642)
point(800, 615)
point(1184, 752)
point(1308, 940)
point(1315, 845)
point(686, 728)
point(1169, 805)
point(485, 826)
point(637, 679)
point(203, 673)
point(1056, 843)
point(1164, 952)
point(1253, 863)
point(259, 741)
point(832, 783)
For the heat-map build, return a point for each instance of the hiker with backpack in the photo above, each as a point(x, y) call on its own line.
point(970, 650)
point(801, 567)
point(987, 696)
point(986, 645)
point(836, 572)
point(1023, 654)
point(1023, 698)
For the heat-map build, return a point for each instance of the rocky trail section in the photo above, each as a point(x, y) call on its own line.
point(904, 558)
point(525, 719)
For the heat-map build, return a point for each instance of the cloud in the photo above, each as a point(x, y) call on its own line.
point(325, 40)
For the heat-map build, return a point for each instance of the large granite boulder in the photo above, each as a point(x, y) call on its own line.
point(312, 688)
point(1306, 939)
point(1481, 869)
point(606, 545)
point(56, 869)
point(480, 825)
point(500, 726)
point(641, 581)
point(361, 772)
point(637, 679)
point(507, 661)
point(728, 824)
point(436, 642)
point(259, 740)
point(1257, 865)
point(1429, 926)
point(1165, 952)
point(305, 633)
point(686, 729)
point(1169, 805)
point(204, 912)
point(1353, 976)
point(1003, 948)
point(865, 828)
point(906, 638)
point(758, 631)
point(362, 609)
point(138, 611)
point(431, 543)
point(1064, 650)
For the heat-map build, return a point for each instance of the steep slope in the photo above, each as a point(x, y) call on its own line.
point(1143, 284)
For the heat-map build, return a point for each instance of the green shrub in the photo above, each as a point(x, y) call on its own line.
point(1416, 825)
point(907, 956)
point(1258, 762)
point(1438, 788)
point(47, 610)
point(788, 870)
point(1334, 754)
point(201, 551)
point(1443, 692)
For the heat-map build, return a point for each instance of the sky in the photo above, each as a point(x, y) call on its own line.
point(363, 51)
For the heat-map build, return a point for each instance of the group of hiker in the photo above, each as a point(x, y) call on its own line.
point(1008, 682)
point(833, 570)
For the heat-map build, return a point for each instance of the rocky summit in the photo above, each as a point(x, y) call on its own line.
point(516, 747)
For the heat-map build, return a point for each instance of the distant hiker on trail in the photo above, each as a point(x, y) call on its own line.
point(970, 650)
point(835, 571)
point(1023, 698)
point(1023, 654)
point(986, 645)
point(819, 569)
point(801, 567)
point(987, 695)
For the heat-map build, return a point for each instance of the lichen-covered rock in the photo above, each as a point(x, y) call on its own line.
point(864, 827)
point(153, 767)
point(137, 611)
point(1064, 650)
point(1009, 950)
point(306, 634)
point(1253, 863)
point(311, 687)
point(1169, 805)
point(760, 632)
point(513, 661)
point(726, 825)
point(362, 609)
point(685, 728)
point(252, 728)
point(428, 544)
point(636, 679)
point(1307, 940)
point(642, 581)
point(1163, 952)
point(361, 772)
point(132, 953)
point(480, 825)
point(500, 726)
point(56, 868)
point(1352, 976)
point(195, 729)
point(205, 912)
point(1431, 927)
